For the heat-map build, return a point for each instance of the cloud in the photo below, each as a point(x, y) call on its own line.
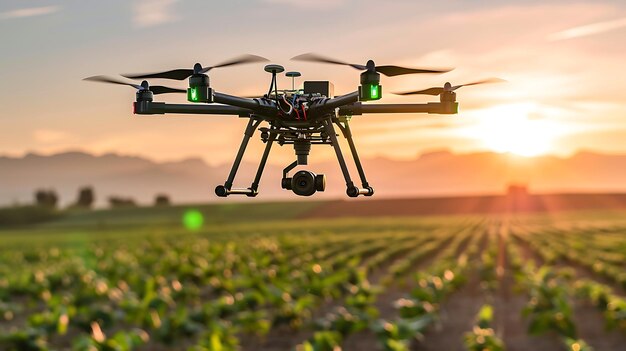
point(29, 12)
point(317, 4)
point(589, 29)
point(150, 13)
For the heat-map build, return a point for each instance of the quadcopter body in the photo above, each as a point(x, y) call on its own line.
point(298, 117)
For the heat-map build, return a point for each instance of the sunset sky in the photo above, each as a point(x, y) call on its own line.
point(564, 62)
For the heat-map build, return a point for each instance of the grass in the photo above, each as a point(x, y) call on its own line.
point(213, 213)
point(81, 225)
point(230, 220)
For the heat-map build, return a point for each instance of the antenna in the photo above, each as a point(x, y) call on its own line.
point(293, 76)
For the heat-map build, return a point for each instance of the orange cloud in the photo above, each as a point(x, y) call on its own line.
point(29, 12)
point(589, 29)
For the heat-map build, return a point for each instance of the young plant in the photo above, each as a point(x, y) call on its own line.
point(482, 337)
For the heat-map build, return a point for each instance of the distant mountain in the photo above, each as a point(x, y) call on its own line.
point(192, 180)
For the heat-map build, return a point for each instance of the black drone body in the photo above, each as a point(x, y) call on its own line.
point(298, 117)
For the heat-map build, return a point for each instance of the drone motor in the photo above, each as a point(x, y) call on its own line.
point(199, 88)
point(370, 88)
point(144, 94)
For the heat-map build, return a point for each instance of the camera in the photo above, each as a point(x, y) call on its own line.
point(305, 183)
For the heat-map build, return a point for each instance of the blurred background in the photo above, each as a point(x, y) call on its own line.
point(557, 125)
point(498, 228)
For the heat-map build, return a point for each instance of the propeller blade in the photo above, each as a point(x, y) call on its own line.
point(484, 81)
point(438, 90)
point(430, 91)
point(183, 73)
point(176, 74)
point(156, 89)
point(311, 57)
point(105, 79)
point(243, 59)
point(387, 70)
point(159, 89)
point(392, 71)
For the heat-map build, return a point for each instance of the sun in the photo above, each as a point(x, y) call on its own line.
point(511, 129)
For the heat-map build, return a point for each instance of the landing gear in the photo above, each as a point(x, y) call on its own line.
point(351, 189)
point(252, 191)
point(303, 183)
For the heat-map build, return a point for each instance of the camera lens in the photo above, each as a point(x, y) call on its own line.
point(303, 183)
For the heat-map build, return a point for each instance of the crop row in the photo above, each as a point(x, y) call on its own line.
point(553, 246)
point(357, 313)
point(172, 291)
point(548, 308)
point(419, 309)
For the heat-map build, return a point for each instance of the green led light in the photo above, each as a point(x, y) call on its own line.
point(199, 93)
point(193, 220)
point(369, 92)
point(194, 94)
point(374, 92)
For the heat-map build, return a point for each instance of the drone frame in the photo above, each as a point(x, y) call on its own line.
point(324, 114)
point(321, 113)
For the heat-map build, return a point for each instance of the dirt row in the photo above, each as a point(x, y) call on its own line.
point(457, 312)
point(285, 338)
point(366, 340)
point(589, 320)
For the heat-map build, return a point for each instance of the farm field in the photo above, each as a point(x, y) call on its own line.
point(141, 280)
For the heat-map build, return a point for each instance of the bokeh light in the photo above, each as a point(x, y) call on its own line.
point(193, 220)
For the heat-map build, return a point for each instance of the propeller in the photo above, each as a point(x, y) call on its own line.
point(182, 73)
point(449, 87)
point(387, 70)
point(155, 89)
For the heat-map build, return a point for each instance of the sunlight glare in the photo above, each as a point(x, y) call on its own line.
point(511, 129)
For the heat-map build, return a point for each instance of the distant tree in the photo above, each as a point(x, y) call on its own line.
point(120, 202)
point(86, 197)
point(162, 200)
point(46, 198)
point(41, 197)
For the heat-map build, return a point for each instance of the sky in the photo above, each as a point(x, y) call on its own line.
point(563, 60)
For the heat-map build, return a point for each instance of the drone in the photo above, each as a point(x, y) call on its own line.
point(299, 117)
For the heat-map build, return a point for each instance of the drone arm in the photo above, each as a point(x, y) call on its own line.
point(431, 107)
point(259, 106)
point(231, 105)
point(342, 100)
point(331, 104)
point(159, 108)
point(226, 99)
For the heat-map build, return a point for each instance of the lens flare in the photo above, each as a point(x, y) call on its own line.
point(193, 220)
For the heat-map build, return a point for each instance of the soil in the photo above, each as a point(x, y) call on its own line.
point(508, 304)
point(588, 319)
point(456, 317)
point(366, 339)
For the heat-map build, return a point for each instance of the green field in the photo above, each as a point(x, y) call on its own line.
point(263, 277)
